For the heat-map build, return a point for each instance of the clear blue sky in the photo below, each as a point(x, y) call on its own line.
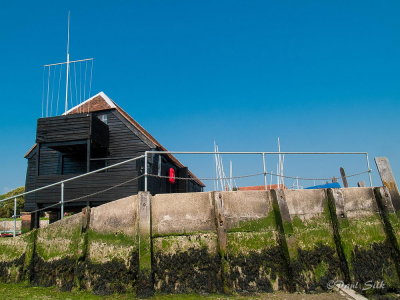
point(322, 75)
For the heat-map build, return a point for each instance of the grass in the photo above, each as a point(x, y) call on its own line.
point(19, 219)
point(9, 219)
point(25, 291)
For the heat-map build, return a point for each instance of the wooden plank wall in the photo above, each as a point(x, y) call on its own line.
point(123, 144)
point(66, 128)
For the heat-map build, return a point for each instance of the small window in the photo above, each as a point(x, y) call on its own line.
point(103, 118)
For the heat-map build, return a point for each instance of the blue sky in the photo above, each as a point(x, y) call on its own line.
point(321, 75)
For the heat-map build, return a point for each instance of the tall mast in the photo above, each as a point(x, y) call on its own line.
point(67, 75)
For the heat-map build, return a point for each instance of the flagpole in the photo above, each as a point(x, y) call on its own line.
point(67, 75)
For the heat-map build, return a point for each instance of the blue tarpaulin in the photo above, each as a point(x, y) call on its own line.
point(332, 185)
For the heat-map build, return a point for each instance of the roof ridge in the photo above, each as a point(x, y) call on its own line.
point(103, 95)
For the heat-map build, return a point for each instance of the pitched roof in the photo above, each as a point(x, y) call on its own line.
point(100, 102)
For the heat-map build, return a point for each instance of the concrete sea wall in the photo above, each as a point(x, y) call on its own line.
point(244, 241)
point(9, 225)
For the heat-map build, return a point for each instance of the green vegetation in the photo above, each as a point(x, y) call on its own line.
point(262, 224)
point(311, 232)
point(145, 254)
point(321, 270)
point(59, 241)
point(362, 232)
point(246, 242)
point(7, 207)
point(173, 243)
point(186, 233)
point(24, 291)
point(116, 239)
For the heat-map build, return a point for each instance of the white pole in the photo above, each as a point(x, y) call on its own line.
point(279, 163)
point(216, 167)
point(62, 200)
point(231, 175)
point(145, 171)
point(15, 217)
point(67, 75)
point(369, 169)
point(265, 171)
point(220, 171)
point(282, 174)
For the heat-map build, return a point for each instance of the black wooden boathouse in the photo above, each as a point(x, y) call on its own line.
point(92, 135)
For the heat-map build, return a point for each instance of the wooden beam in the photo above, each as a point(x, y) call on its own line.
point(88, 150)
point(388, 180)
point(38, 159)
point(222, 239)
point(145, 283)
point(344, 178)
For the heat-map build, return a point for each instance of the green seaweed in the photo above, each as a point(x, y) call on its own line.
point(321, 270)
point(71, 236)
point(188, 233)
point(258, 225)
point(110, 238)
point(361, 231)
point(245, 242)
point(145, 249)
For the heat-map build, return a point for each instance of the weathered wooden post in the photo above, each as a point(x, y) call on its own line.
point(145, 284)
point(344, 178)
point(388, 180)
point(221, 238)
point(26, 222)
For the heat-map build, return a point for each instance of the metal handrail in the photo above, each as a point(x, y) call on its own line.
point(145, 156)
point(62, 182)
point(263, 153)
point(73, 178)
point(244, 152)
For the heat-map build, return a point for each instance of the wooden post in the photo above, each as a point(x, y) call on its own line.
point(221, 238)
point(26, 222)
point(38, 159)
point(388, 180)
point(285, 229)
point(88, 159)
point(344, 178)
point(54, 216)
point(336, 204)
point(88, 151)
point(145, 285)
point(386, 207)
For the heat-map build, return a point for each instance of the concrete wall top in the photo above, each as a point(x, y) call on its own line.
point(67, 222)
point(359, 202)
point(181, 213)
point(305, 204)
point(242, 206)
point(119, 216)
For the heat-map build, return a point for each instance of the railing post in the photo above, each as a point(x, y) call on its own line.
point(265, 171)
point(145, 171)
point(62, 200)
point(369, 170)
point(15, 217)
